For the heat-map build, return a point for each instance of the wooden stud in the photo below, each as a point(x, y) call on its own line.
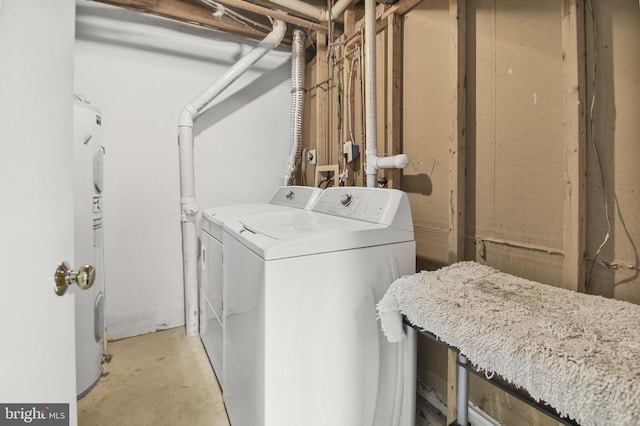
point(573, 71)
point(457, 149)
point(393, 96)
point(322, 99)
point(457, 85)
point(349, 30)
point(383, 12)
point(452, 379)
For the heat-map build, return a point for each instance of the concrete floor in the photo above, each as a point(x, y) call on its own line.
point(162, 378)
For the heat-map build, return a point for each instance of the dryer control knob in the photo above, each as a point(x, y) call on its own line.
point(345, 200)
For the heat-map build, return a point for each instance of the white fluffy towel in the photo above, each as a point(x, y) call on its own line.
point(578, 353)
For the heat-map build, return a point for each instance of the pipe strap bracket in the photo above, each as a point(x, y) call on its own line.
point(189, 208)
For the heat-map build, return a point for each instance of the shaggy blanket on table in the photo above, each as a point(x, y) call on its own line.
point(578, 353)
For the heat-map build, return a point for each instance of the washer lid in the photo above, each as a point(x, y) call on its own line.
point(285, 197)
point(219, 215)
point(291, 233)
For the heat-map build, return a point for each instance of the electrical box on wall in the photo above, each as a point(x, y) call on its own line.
point(350, 151)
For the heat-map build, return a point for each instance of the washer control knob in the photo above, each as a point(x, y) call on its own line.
point(290, 195)
point(345, 199)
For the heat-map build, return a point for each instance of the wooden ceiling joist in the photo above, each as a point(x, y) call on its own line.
point(193, 12)
point(400, 8)
point(187, 12)
point(276, 14)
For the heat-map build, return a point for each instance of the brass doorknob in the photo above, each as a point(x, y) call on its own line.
point(64, 277)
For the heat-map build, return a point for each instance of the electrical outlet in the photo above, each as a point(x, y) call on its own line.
point(311, 156)
point(347, 149)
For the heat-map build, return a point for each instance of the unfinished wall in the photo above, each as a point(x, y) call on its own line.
point(515, 146)
point(516, 151)
point(141, 71)
point(426, 112)
point(523, 203)
point(334, 108)
point(613, 61)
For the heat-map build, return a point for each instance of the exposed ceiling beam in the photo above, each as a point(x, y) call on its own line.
point(400, 8)
point(276, 14)
point(189, 12)
point(320, 4)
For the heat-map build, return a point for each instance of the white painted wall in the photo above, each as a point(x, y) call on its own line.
point(141, 71)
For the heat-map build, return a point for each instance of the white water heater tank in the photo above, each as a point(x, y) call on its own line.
point(88, 242)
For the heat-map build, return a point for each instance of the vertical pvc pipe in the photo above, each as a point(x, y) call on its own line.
point(462, 412)
point(188, 217)
point(371, 148)
point(189, 207)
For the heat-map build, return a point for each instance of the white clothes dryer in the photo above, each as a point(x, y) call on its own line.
point(302, 342)
point(211, 300)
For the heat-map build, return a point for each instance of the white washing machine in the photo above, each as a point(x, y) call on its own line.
point(211, 300)
point(88, 243)
point(302, 342)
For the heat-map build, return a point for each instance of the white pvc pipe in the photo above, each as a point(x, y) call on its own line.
point(188, 205)
point(194, 108)
point(399, 161)
point(313, 11)
point(371, 143)
point(373, 162)
point(301, 7)
point(338, 8)
point(188, 217)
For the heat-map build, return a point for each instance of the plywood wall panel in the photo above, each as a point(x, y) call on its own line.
point(426, 111)
point(516, 59)
point(533, 264)
point(431, 248)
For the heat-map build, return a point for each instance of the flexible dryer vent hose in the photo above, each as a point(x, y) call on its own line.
point(297, 105)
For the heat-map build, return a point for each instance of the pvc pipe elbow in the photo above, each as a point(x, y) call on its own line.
point(399, 161)
point(186, 116)
point(277, 34)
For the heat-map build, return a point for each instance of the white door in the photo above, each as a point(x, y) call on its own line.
point(37, 345)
